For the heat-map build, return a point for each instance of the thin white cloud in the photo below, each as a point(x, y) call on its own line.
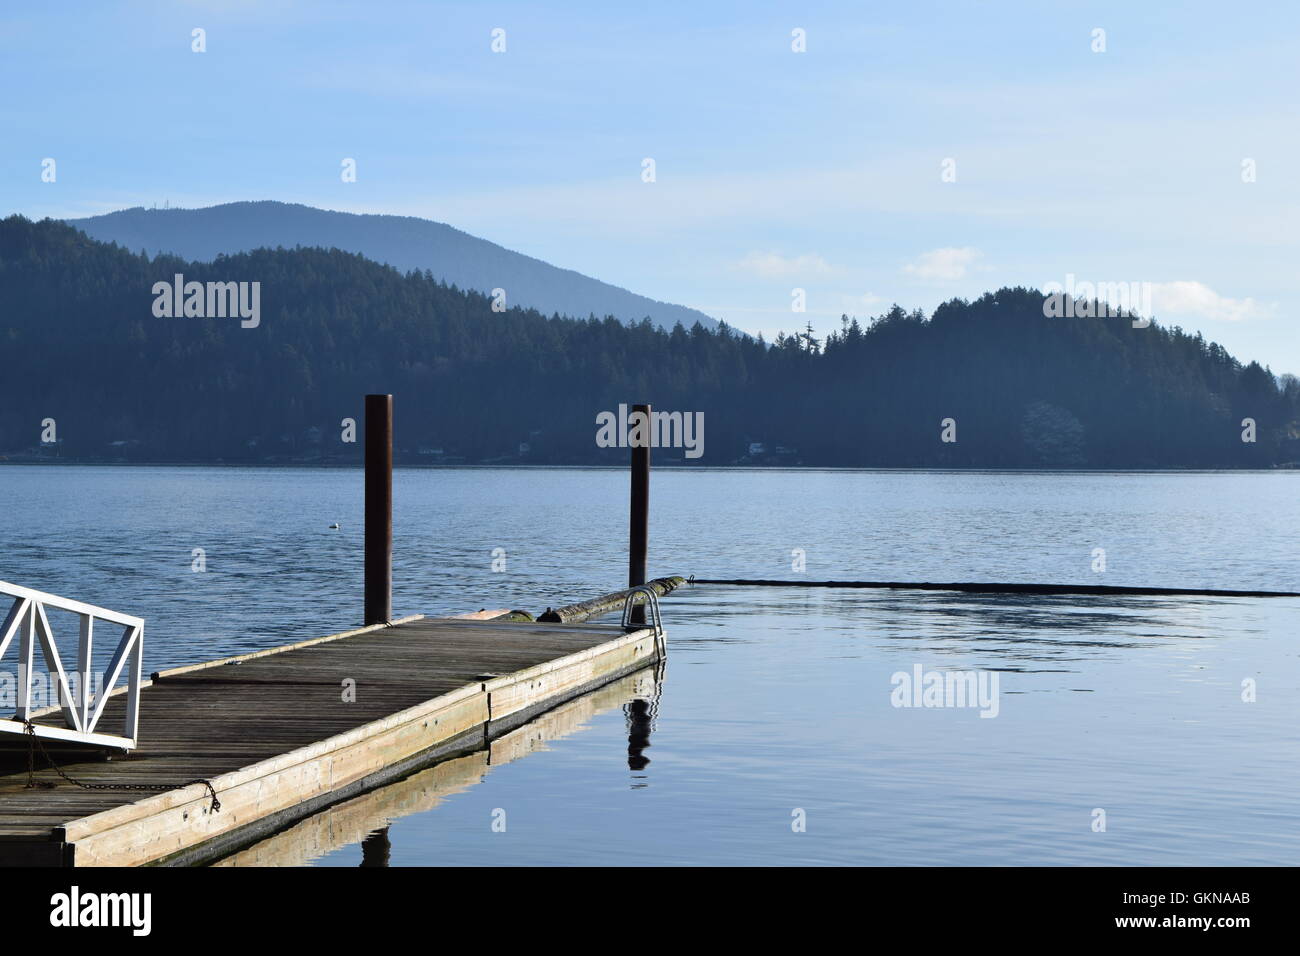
point(943, 265)
point(855, 303)
point(773, 265)
point(1197, 300)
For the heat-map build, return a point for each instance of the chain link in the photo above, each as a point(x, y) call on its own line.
point(35, 741)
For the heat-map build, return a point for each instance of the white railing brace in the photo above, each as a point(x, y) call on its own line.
point(81, 711)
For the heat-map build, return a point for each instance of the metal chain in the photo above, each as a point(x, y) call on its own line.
point(35, 742)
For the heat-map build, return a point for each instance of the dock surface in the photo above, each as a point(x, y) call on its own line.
point(283, 733)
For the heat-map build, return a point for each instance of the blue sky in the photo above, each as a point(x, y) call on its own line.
point(775, 170)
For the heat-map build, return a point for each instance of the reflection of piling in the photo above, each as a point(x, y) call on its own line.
point(638, 527)
point(376, 849)
point(642, 714)
point(639, 725)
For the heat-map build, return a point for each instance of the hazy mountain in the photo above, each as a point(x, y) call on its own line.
point(87, 349)
point(404, 242)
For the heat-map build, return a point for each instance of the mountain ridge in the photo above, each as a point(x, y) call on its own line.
point(404, 242)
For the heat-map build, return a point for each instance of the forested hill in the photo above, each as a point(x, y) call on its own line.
point(83, 347)
point(404, 242)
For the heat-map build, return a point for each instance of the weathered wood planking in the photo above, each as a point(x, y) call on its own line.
point(278, 738)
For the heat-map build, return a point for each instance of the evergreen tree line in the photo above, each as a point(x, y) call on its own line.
point(79, 344)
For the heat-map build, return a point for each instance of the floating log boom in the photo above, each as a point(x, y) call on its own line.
point(606, 603)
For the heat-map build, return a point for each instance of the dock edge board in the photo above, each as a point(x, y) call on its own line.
point(177, 828)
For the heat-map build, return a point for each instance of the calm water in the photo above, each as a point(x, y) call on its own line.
point(774, 701)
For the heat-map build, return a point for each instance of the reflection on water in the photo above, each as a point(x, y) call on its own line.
point(639, 725)
point(367, 819)
point(375, 848)
point(779, 699)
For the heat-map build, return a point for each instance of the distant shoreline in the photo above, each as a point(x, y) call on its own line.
point(658, 466)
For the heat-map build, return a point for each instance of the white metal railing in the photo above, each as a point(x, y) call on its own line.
point(81, 709)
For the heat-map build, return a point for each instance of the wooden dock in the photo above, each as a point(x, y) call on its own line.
point(355, 821)
point(283, 733)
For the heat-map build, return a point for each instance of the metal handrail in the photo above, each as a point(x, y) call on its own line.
point(656, 620)
point(81, 712)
